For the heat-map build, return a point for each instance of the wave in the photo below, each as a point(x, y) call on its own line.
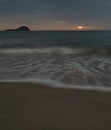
point(56, 50)
point(55, 84)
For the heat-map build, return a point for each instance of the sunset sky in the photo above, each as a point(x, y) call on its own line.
point(56, 14)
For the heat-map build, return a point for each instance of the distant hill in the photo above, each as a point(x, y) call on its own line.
point(22, 28)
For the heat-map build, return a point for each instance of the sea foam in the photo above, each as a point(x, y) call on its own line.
point(56, 50)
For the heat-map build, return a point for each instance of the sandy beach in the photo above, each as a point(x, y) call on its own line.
point(26, 106)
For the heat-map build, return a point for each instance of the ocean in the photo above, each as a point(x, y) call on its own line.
point(71, 59)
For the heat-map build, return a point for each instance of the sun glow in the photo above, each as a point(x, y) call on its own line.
point(80, 27)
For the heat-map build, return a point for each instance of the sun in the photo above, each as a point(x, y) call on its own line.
point(80, 27)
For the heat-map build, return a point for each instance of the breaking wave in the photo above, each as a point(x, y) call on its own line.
point(56, 50)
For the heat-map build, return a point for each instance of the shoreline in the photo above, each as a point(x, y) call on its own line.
point(58, 85)
point(27, 106)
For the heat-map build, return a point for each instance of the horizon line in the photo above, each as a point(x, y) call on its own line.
point(70, 30)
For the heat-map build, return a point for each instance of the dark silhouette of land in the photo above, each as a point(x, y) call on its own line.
point(22, 28)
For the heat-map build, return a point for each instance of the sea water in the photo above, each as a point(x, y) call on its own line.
point(80, 59)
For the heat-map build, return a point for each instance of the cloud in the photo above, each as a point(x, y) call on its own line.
point(87, 12)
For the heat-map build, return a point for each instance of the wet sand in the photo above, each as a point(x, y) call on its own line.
point(26, 106)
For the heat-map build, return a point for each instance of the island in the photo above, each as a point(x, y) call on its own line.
point(22, 28)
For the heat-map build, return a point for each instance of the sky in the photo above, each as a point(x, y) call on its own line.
point(56, 14)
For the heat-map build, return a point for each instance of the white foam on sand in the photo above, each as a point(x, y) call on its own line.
point(55, 84)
